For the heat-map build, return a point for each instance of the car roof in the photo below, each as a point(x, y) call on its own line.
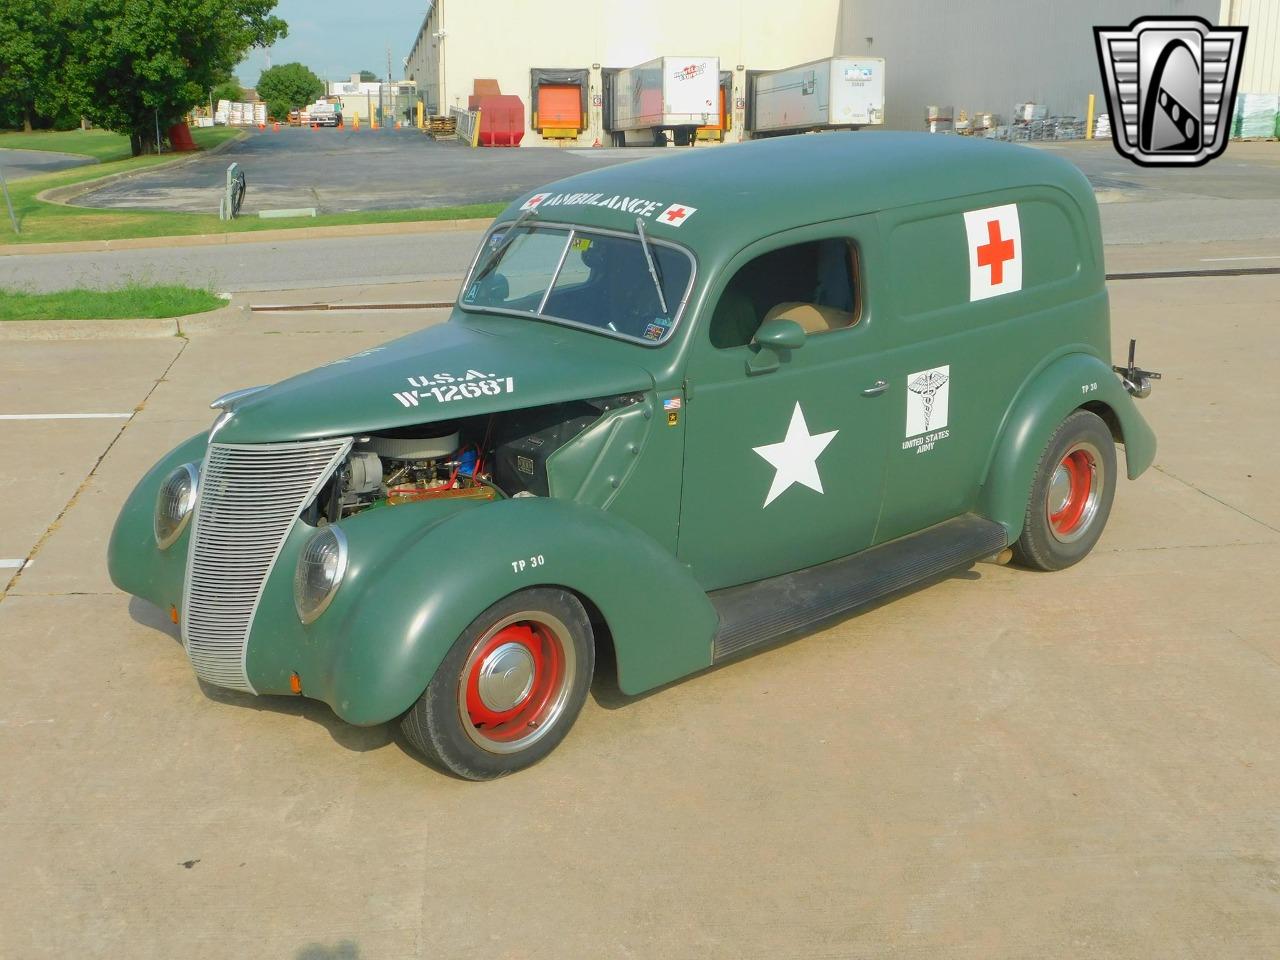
point(744, 191)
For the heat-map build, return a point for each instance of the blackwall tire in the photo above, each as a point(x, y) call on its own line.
point(509, 688)
point(1071, 496)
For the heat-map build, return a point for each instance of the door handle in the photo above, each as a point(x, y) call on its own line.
point(877, 388)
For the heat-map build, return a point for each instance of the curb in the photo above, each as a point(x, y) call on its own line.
point(251, 236)
point(63, 195)
point(15, 330)
point(143, 329)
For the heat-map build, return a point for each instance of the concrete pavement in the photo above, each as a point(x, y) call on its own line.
point(1007, 764)
point(283, 263)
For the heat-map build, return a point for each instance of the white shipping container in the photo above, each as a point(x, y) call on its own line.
point(667, 92)
point(825, 94)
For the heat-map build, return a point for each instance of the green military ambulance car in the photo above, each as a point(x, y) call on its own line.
point(682, 407)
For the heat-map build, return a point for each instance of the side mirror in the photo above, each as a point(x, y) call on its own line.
point(774, 339)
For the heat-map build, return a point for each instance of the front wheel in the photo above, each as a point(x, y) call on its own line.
point(509, 689)
point(1071, 495)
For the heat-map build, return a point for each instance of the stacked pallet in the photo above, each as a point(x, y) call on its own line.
point(440, 128)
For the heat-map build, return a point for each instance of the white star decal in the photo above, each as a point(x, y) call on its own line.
point(796, 458)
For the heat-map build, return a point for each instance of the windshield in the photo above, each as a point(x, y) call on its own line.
point(585, 277)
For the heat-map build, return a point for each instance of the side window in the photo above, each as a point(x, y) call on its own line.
point(815, 284)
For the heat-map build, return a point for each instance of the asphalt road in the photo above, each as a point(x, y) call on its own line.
point(16, 164)
point(337, 170)
point(1003, 765)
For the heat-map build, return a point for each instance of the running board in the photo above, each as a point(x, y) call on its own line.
point(757, 613)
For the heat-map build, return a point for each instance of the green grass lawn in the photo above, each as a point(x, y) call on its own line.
point(133, 302)
point(54, 223)
point(102, 145)
point(99, 144)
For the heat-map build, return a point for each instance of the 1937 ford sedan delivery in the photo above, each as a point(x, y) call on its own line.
point(682, 407)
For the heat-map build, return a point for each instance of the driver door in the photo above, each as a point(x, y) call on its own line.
point(784, 468)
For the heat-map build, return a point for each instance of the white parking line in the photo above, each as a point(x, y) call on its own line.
point(1224, 259)
point(12, 564)
point(65, 416)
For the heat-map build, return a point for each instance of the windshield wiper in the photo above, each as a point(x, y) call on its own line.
point(653, 269)
point(483, 270)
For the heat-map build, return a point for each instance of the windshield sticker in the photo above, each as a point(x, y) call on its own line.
point(676, 214)
point(447, 387)
point(655, 331)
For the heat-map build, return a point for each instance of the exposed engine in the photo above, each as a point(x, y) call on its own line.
point(478, 458)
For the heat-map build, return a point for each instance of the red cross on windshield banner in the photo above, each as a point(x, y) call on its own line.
point(676, 214)
point(995, 251)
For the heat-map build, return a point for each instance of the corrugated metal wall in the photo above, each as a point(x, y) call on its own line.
point(1260, 72)
point(993, 54)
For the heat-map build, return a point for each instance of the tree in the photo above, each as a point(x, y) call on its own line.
point(368, 76)
point(139, 65)
point(287, 87)
point(228, 90)
point(33, 36)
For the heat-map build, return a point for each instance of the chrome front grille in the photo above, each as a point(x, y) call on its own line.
point(250, 497)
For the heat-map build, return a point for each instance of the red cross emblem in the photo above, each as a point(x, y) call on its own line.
point(995, 252)
point(676, 214)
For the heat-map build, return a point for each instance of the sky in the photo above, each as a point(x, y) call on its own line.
point(337, 38)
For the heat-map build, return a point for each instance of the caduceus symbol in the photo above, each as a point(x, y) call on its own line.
point(927, 386)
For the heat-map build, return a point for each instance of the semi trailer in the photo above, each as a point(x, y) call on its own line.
point(677, 94)
point(831, 94)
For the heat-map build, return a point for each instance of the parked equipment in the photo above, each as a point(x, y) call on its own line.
point(678, 94)
point(831, 94)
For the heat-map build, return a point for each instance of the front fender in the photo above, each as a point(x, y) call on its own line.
point(419, 574)
point(1049, 396)
point(136, 565)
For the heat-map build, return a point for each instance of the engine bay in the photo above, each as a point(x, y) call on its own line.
point(494, 457)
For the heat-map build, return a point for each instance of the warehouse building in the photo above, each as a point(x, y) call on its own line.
point(993, 55)
point(557, 55)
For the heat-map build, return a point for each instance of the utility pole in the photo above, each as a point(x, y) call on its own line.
point(392, 103)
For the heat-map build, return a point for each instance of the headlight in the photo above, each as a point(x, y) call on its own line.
point(321, 566)
point(174, 503)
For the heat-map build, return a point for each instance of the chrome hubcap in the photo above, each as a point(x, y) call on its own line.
point(506, 677)
point(1059, 489)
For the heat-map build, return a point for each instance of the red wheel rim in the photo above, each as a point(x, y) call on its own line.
point(514, 684)
point(1079, 470)
point(1074, 494)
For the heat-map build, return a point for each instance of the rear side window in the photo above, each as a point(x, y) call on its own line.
point(930, 264)
point(814, 284)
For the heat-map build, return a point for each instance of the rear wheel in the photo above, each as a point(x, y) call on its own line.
point(1071, 495)
point(509, 689)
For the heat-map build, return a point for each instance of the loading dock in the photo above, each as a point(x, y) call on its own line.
point(716, 131)
point(558, 102)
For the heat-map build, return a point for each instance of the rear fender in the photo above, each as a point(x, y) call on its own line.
point(1067, 384)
